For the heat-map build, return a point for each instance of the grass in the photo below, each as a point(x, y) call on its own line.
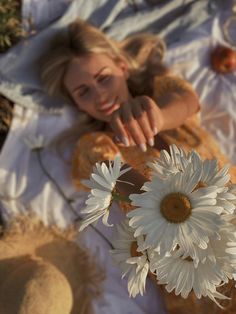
point(10, 33)
point(10, 24)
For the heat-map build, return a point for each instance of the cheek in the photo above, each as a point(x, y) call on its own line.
point(88, 108)
point(81, 106)
point(120, 84)
point(82, 103)
point(78, 105)
point(123, 89)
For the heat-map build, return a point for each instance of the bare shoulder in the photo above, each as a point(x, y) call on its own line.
point(169, 86)
point(172, 83)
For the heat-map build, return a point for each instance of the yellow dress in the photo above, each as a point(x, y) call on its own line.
point(98, 146)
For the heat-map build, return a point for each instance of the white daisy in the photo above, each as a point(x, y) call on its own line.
point(181, 276)
point(232, 190)
point(13, 185)
point(171, 212)
point(34, 142)
point(225, 253)
point(212, 175)
point(102, 183)
point(178, 160)
point(132, 262)
point(169, 163)
point(221, 252)
point(226, 200)
point(229, 236)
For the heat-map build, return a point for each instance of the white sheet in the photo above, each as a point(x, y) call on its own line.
point(24, 186)
point(191, 58)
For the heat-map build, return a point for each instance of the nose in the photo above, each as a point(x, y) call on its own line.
point(100, 95)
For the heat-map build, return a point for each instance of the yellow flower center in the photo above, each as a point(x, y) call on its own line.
point(176, 207)
point(133, 250)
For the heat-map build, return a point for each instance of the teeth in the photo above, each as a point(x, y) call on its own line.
point(108, 105)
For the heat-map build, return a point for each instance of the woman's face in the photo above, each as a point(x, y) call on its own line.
point(97, 85)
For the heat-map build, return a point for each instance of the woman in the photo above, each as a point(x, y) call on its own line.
point(123, 87)
point(124, 93)
point(114, 83)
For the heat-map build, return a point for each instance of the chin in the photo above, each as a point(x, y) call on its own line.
point(107, 119)
point(101, 118)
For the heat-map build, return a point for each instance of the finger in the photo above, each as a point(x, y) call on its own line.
point(131, 141)
point(118, 141)
point(142, 118)
point(150, 108)
point(119, 128)
point(133, 127)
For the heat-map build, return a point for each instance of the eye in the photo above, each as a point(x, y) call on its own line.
point(83, 92)
point(104, 78)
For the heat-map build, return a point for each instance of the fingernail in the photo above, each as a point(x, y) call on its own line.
point(155, 130)
point(117, 139)
point(151, 141)
point(143, 147)
point(125, 140)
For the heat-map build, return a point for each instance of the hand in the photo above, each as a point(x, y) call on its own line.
point(137, 121)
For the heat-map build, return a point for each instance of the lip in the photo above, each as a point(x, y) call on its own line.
point(109, 107)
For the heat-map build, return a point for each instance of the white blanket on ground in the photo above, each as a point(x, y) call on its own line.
point(23, 185)
point(191, 58)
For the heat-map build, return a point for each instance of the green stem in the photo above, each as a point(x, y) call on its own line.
point(120, 198)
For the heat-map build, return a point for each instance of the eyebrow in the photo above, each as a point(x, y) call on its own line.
point(95, 76)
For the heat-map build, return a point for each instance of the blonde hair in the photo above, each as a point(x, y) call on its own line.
point(143, 55)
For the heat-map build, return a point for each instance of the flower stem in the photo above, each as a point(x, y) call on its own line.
point(120, 198)
point(55, 184)
point(68, 201)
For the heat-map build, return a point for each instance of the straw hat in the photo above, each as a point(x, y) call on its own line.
point(44, 271)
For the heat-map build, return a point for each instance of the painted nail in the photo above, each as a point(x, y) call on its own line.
point(125, 140)
point(117, 139)
point(143, 147)
point(151, 141)
point(155, 130)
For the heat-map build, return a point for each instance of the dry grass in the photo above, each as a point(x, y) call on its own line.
point(10, 23)
point(10, 33)
point(5, 119)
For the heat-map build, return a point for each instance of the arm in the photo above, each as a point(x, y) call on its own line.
point(140, 119)
point(176, 101)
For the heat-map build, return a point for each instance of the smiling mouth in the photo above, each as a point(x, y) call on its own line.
point(109, 107)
